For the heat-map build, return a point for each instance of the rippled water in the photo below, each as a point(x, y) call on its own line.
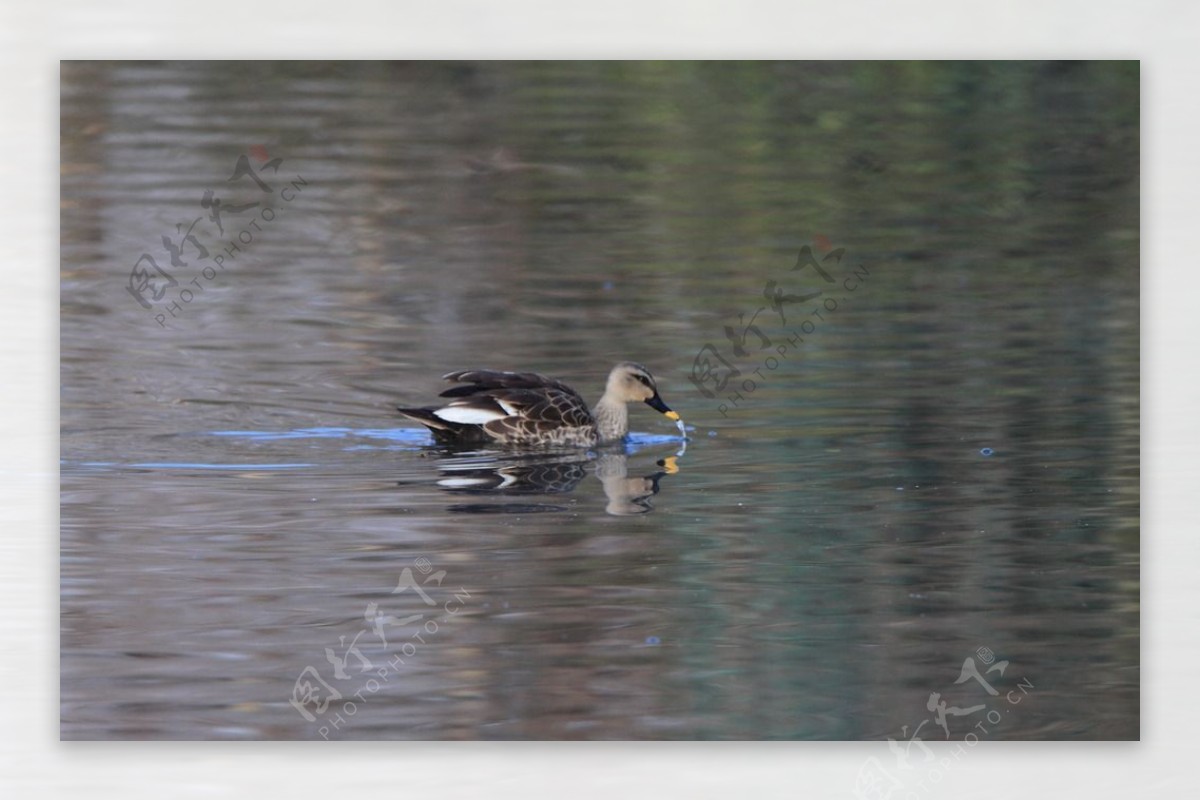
point(932, 476)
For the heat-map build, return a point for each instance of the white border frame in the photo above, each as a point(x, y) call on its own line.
point(34, 37)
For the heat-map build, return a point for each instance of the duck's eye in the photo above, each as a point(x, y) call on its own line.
point(643, 379)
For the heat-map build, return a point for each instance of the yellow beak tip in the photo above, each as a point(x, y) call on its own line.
point(672, 415)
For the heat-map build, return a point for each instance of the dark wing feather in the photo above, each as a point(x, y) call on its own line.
point(476, 381)
point(547, 406)
point(541, 404)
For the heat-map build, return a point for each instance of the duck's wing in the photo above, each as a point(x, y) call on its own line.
point(513, 404)
point(475, 381)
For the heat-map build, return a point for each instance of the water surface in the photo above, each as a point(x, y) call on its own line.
point(936, 461)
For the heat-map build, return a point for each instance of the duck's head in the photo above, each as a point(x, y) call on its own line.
point(630, 382)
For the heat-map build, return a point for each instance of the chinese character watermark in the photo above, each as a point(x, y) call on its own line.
point(326, 702)
point(151, 284)
point(715, 375)
point(874, 780)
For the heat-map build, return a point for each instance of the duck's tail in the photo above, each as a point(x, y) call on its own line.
point(446, 431)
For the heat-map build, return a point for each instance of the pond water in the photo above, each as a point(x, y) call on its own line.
point(919, 475)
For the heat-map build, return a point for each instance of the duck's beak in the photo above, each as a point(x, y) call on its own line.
point(656, 403)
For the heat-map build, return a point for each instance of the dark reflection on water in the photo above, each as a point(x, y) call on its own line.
point(948, 461)
point(554, 474)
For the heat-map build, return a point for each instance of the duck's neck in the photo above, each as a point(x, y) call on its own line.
point(612, 419)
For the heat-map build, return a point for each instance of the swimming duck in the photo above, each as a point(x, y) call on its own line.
point(529, 409)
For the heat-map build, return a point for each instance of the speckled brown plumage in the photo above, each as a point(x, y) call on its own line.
point(530, 409)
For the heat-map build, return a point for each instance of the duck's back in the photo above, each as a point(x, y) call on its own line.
point(475, 381)
point(514, 408)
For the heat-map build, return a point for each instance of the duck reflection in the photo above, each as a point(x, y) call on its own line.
point(485, 474)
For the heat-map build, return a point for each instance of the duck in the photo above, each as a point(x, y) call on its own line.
point(492, 407)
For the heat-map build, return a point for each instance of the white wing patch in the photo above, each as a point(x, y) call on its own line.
point(468, 414)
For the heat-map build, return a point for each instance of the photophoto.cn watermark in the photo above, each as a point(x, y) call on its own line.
point(158, 291)
point(716, 376)
point(329, 704)
point(981, 717)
